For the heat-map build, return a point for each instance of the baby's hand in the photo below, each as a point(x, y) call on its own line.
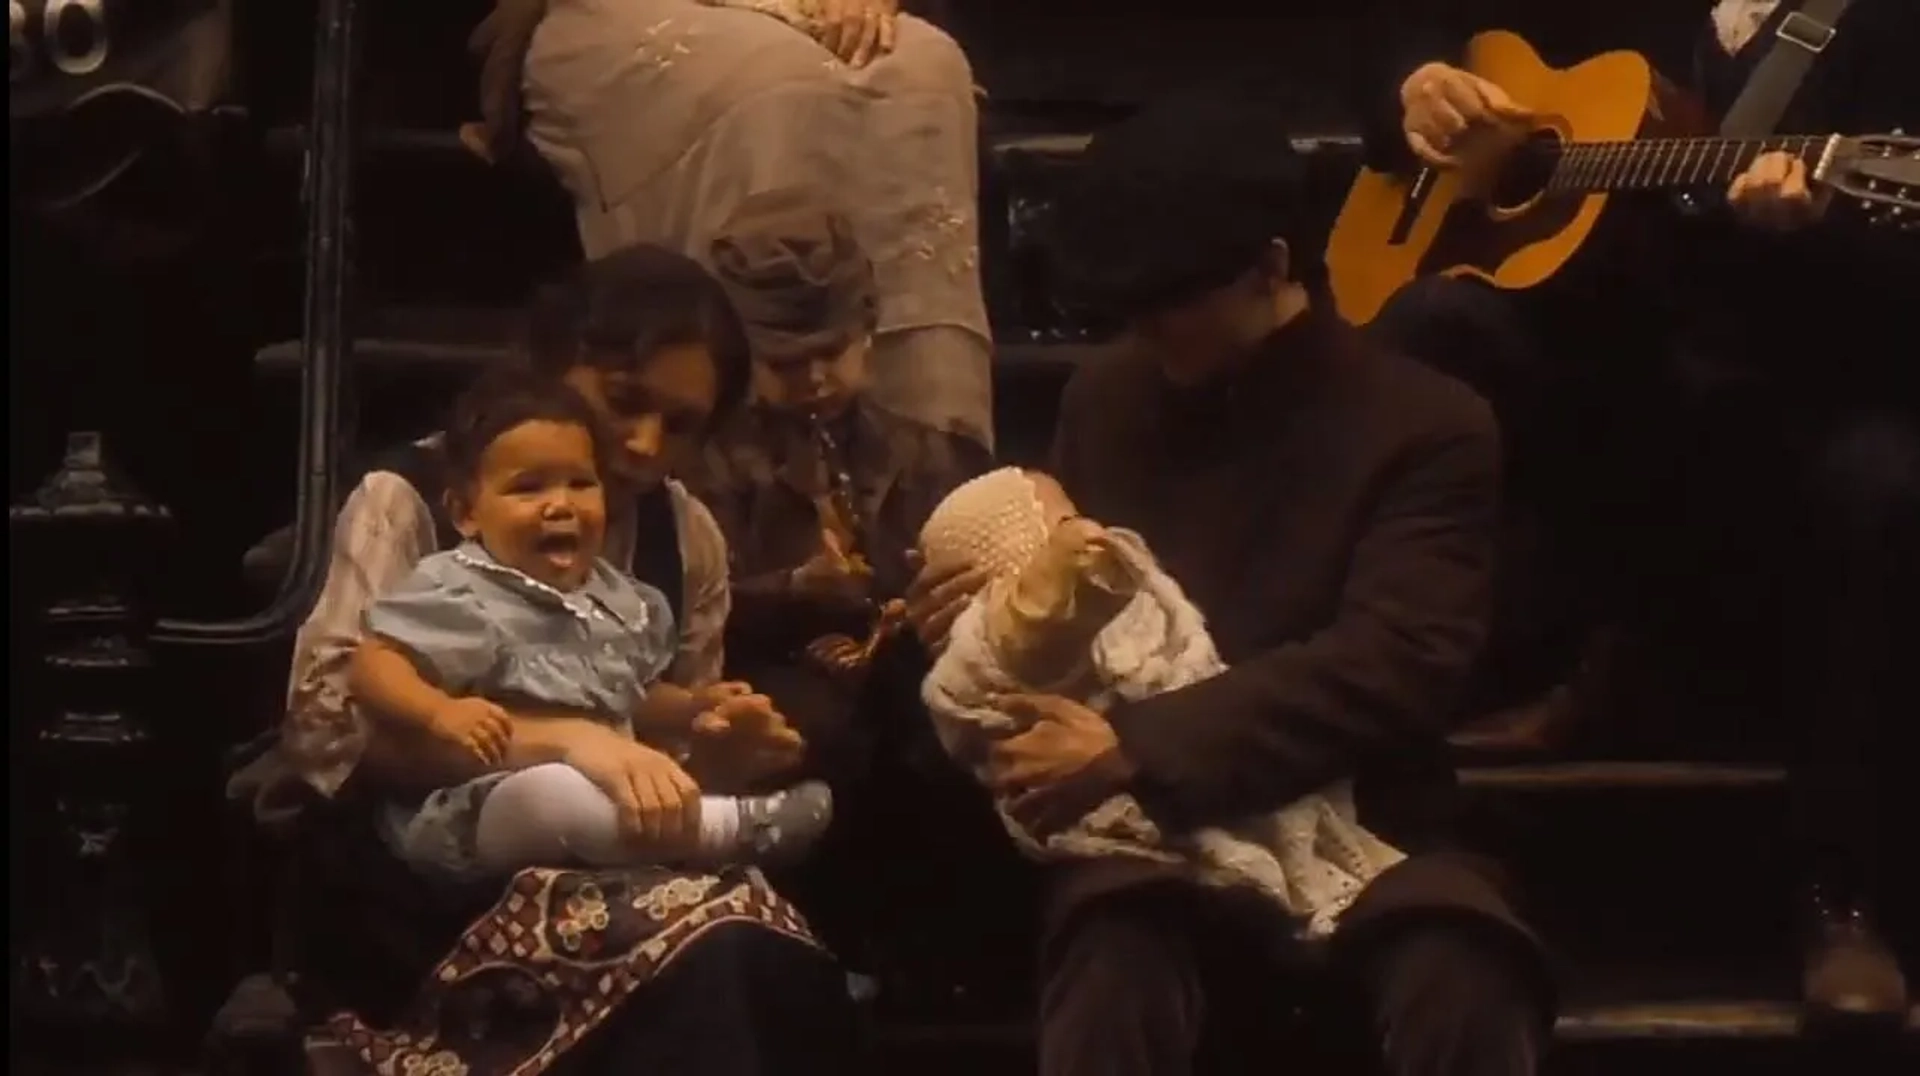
point(481, 727)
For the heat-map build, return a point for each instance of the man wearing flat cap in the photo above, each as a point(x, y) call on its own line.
point(1331, 509)
point(821, 493)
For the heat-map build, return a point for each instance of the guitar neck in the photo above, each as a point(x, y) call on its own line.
point(1660, 163)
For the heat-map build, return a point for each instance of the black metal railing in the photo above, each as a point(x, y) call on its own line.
point(326, 342)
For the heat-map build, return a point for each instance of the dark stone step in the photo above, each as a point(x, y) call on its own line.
point(1547, 777)
point(1750, 1019)
point(457, 341)
point(1070, 144)
point(445, 143)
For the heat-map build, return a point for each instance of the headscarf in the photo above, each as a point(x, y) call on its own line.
point(801, 284)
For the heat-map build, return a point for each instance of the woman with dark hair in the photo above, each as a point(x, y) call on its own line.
point(571, 956)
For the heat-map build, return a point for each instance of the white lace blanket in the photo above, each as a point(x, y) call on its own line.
point(1312, 857)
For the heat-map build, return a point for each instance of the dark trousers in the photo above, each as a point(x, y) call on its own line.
point(741, 1002)
point(1735, 504)
point(916, 881)
point(1155, 983)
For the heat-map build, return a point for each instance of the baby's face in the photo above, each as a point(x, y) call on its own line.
point(537, 504)
point(1042, 620)
point(1054, 502)
point(1072, 539)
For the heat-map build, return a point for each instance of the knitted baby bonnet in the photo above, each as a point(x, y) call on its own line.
point(995, 521)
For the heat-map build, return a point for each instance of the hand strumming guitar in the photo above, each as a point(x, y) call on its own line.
point(1773, 193)
point(1442, 107)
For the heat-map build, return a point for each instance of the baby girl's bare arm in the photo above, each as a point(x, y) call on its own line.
point(384, 680)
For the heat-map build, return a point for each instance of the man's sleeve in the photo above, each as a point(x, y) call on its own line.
point(709, 596)
point(1410, 624)
point(1386, 43)
point(384, 530)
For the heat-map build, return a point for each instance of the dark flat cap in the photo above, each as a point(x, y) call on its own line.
point(1179, 198)
point(801, 284)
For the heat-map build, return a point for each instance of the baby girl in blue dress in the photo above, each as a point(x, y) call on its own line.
point(525, 615)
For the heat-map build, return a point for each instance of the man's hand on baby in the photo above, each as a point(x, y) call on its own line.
point(481, 727)
point(936, 598)
point(1065, 764)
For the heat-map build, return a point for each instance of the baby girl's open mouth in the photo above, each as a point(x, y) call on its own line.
point(561, 548)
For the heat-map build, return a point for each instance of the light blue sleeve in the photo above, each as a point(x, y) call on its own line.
point(440, 621)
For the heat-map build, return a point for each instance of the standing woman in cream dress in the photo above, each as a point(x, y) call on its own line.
point(660, 116)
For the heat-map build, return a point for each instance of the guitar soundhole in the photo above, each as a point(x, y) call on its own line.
point(1523, 175)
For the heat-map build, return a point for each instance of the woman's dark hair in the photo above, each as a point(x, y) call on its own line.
point(617, 312)
point(503, 398)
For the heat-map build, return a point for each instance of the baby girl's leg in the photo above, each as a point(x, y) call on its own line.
point(552, 816)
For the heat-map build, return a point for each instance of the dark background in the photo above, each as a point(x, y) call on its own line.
point(140, 315)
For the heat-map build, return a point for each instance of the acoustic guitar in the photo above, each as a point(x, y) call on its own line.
point(1608, 125)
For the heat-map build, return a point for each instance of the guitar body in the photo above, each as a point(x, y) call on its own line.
point(1395, 228)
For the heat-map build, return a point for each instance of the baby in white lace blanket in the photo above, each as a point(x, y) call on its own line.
point(1083, 611)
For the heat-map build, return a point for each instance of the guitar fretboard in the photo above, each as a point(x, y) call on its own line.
point(1654, 163)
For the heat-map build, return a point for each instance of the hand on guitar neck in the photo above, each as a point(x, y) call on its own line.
point(1774, 194)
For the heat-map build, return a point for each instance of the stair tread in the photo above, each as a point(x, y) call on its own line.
point(1069, 143)
point(1687, 1018)
point(445, 141)
point(455, 339)
point(1547, 776)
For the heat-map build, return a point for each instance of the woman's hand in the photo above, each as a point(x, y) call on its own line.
point(742, 740)
point(857, 31)
point(1773, 194)
point(937, 597)
point(658, 802)
point(1442, 105)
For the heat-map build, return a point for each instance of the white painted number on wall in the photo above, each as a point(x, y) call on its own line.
point(72, 34)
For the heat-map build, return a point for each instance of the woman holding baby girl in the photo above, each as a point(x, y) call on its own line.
point(507, 722)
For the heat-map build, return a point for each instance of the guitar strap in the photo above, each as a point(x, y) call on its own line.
point(1797, 41)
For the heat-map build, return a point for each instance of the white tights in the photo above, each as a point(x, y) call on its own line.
point(551, 816)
